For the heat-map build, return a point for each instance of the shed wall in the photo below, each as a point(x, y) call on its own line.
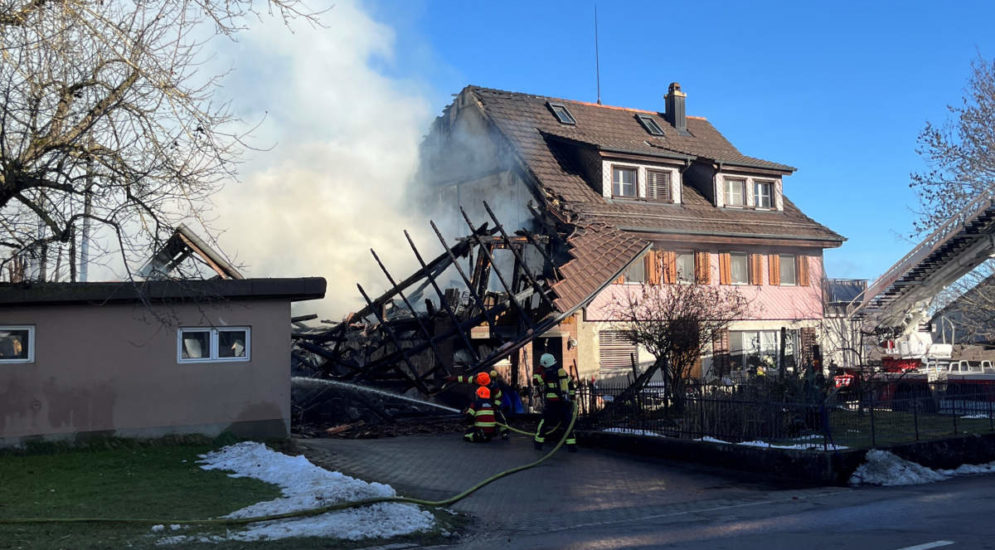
point(113, 370)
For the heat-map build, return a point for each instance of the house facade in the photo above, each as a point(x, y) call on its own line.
point(649, 197)
point(147, 359)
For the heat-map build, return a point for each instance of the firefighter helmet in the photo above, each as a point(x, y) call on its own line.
point(547, 360)
point(483, 378)
point(483, 392)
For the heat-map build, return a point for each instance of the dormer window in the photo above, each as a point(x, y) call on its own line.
point(624, 182)
point(763, 194)
point(735, 192)
point(562, 113)
point(650, 125)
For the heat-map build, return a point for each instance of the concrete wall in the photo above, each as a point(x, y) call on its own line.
point(113, 370)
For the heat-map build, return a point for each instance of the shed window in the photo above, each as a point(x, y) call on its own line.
point(562, 113)
point(17, 344)
point(650, 125)
point(203, 344)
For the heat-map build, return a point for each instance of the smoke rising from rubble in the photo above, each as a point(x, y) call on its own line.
point(344, 141)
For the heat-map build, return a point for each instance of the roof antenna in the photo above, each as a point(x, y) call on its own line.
point(597, 62)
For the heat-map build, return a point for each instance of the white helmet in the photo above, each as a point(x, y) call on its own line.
point(547, 360)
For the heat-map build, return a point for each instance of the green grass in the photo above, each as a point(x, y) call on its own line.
point(853, 429)
point(162, 482)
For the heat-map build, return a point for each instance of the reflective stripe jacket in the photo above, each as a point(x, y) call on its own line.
point(482, 412)
point(557, 384)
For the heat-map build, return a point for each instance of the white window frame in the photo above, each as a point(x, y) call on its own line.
point(757, 184)
point(732, 256)
point(214, 356)
point(727, 192)
point(31, 344)
point(635, 183)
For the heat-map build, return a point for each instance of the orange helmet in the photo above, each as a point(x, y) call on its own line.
point(483, 378)
point(483, 392)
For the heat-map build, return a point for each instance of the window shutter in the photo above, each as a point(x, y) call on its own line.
point(652, 260)
point(702, 271)
point(720, 352)
point(802, 270)
point(756, 269)
point(725, 269)
point(669, 267)
point(615, 350)
point(658, 186)
point(774, 264)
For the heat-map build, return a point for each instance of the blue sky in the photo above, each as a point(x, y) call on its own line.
point(839, 90)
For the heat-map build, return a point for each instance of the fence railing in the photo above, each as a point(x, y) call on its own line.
point(750, 414)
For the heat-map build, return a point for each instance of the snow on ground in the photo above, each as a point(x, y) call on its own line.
point(306, 486)
point(632, 431)
point(885, 468)
point(811, 445)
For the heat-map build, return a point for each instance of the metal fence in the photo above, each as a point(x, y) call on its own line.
point(880, 414)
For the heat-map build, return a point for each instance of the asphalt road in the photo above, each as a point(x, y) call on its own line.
point(955, 515)
point(601, 499)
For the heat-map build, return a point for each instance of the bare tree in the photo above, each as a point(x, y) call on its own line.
point(105, 120)
point(960, 152)
point(676, 324)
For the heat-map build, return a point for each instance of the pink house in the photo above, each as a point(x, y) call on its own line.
point(649, 196)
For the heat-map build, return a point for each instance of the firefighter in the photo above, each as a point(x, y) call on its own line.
point(481, 411)
point(490, 381)
point(558, 392)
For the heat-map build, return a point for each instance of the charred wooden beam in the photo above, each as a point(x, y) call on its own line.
point(438, 265)
point(442, 296)
point(519, 259)
point(466, 280)
point(413, 378)
point(421, 325)
point(523, 316)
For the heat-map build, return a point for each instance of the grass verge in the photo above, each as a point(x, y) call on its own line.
point(131, 480)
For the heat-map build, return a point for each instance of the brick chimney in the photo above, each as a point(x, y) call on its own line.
point(676, 114)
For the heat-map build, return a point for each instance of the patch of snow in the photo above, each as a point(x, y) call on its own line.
point(304, 487)
point(970, 469)
point(972, 416)
point(885, 468)
point(764, 444)
point(631, 431)
point(158, 528)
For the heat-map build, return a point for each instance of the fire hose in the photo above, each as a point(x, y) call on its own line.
point(316, 511)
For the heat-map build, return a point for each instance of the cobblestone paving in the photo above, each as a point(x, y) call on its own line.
point(591, 487)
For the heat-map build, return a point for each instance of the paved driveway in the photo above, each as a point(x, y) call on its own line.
point(592, 487)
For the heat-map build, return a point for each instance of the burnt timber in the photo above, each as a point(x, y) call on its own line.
point(485, 297)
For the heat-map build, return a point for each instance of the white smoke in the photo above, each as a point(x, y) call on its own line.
point(344, 141)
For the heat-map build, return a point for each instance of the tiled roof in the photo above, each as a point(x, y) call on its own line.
point(536, 135)
point(600, 253)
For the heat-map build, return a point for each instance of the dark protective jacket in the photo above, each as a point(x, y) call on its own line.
point(557, 384)
point(482, 413)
